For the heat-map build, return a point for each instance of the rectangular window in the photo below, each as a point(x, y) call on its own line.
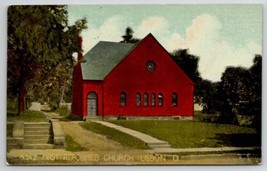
point(160, 99)
point(153, 99)
point(145, 99)
point(174, 99)
point(123, 98)
point(138, 99)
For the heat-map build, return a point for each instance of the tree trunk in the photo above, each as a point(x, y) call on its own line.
point(63, 92)
point(21, 101)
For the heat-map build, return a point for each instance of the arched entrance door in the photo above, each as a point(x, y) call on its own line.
point(92, 104)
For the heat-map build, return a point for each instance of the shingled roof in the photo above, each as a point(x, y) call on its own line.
point(102, 58)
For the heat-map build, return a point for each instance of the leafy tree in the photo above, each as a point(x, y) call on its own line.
point(207, 95)
point(240, 90)
point(187, 62)
point(234, 84)
point(40, 48)
point(255, 91)
point(128, 37)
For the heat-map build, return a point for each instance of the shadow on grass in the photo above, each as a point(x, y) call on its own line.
point(239, 140)
point(71, 117)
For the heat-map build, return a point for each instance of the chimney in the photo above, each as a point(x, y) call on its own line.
point(80, 55)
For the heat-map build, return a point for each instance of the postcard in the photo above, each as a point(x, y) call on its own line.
point(172, 84)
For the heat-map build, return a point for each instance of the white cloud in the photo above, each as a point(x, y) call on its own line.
point(154, 25)
point(203, 38)
point(110, 30)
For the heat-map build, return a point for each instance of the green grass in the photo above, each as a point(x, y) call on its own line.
point(71, 117)
point(68, 116)
point(191, 134)
point(63, 111)
point(72, 145)
point(9, 130)
point(115, 135)
point(27, 116)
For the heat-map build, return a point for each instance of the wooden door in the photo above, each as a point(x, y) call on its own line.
point(92, 104)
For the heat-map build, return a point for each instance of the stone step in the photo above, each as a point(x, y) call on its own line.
point(36, 129)
point(89, 118)
point(38, 146)
point(45, 132)
point(37, 125)
point(30, 137)
point(38, 141)
point(10, 140)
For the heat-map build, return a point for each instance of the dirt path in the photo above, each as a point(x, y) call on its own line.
point(90, 140)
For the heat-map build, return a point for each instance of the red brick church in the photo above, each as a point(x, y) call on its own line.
point(124, 79)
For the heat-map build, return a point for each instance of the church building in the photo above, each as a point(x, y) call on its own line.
point(130, 80)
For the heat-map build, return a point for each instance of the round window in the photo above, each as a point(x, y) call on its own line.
point(150, 66)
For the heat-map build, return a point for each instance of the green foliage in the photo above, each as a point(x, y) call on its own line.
point(187, 62)
point(190, 134)
point(128, 37)
point(72, 145)
point(12, 106)
point(63, 111)
point(206, 95)
point(53, 105)
point(27, 116)
point(205, 117)
point(116, 135)
point(244, 120)
point(240, 90)
point(40, 48)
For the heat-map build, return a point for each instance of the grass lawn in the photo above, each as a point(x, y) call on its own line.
point(72, 145)
point(27, 116)
point(63, 111)
point(115, 135)
point(190, 134)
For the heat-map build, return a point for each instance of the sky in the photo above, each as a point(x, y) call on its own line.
point(221, 35)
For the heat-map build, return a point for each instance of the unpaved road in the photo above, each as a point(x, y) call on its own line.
point(90, 140)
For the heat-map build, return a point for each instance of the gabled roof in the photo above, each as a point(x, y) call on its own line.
point(102, 58)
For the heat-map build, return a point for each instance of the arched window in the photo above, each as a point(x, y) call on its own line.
point(174, 99)
point(160, 99)
point(138, 99)
point(123, 98)
point(145, 99)
point(153, 99)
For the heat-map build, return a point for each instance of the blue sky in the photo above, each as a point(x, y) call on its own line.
point(221, 35)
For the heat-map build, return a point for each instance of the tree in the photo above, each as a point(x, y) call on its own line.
point(234, 84)
point(255, 91)
point(240, 90)
point(187, 62)
point(128, 37)
point(40, 48)
point(207, 95)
